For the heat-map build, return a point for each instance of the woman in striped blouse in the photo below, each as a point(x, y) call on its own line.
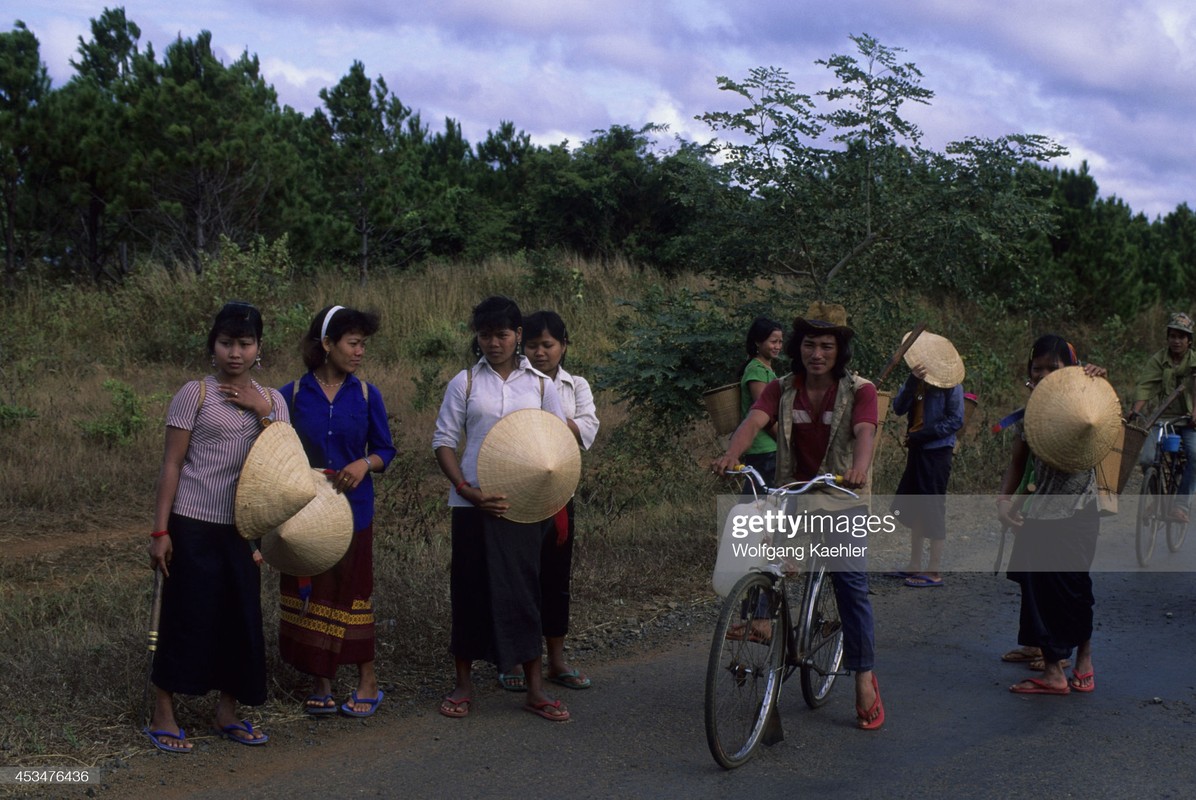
point(211, 624)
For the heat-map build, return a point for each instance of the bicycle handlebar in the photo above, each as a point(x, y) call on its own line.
point(827, 479)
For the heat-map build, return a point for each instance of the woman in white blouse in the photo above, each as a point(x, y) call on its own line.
point(545, 340)
point(495, 573)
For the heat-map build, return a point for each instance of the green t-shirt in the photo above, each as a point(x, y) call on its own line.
point(755, 371)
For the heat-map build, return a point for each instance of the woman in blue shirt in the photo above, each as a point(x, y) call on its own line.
point(328, 619)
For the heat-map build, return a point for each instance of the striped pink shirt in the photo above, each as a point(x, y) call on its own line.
point(221, 435)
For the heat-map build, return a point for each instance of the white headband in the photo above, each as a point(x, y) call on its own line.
point(327, 318)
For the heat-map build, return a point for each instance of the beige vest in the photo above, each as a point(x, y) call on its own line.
point(839, 453)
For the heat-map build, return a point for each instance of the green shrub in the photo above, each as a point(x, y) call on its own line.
point(128, 417)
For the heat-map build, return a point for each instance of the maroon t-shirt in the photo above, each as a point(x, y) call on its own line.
point(812, 426)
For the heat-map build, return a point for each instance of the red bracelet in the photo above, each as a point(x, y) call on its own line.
point(461, 485)
point(157, 534)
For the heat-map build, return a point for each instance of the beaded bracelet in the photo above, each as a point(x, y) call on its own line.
point(157, 534)
point(461, 486)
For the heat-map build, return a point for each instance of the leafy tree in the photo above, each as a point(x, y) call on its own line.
point(370, 166)
point(24, 84)
point(209, 149)
point(840, 179)
point(90, 150)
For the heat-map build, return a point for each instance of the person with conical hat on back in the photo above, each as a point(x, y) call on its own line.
point(1171, 367)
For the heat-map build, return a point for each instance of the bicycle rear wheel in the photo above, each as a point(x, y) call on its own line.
point(821, 640)
point(743, 675)
point(1150, 511)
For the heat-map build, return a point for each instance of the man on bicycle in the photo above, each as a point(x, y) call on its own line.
point(1171, 367)
point(826, 421)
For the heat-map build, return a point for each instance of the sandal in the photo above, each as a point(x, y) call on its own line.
point(874, 717)
point(455, 708)
point(1085, 682)
point(1021, 655)
point(512, 683)
point(571, 680)
point(318, 705)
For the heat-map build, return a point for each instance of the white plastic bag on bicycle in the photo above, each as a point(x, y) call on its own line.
point(745, 542)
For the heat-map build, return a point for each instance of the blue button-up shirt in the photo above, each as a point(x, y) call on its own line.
point(341, 432)
point(942, 413)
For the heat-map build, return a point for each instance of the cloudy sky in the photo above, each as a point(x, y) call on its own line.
point(1114, 81)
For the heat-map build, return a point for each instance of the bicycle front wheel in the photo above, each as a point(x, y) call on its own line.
point(1150, 510)
point(821, 640)
point(743, 675)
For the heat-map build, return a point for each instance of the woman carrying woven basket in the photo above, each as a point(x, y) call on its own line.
point(211, 624)
point(328, 619)
point(495, 571)
point(1071, 421)
point(764, 341)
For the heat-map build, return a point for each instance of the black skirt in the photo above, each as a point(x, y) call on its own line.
point(210, 631)
point(1057, 601)
point(495, 584)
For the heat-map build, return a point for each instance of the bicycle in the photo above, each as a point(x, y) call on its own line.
point(1160, 484)
point(757, 645)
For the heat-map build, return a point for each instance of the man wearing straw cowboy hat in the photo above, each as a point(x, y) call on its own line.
point(826, 422)
point(932, 396)
point(1173, 366)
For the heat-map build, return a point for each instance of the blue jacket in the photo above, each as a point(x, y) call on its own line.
point(942, 413)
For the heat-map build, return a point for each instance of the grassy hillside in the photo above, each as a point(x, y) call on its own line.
point(86, 375)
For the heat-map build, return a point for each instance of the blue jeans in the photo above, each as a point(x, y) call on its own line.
point(849, 575)
point(1187, 481)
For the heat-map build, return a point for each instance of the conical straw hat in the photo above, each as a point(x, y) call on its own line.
point(1072, 421)
point(275, 481)
point(316, 538)
point(944, 367)
point(531, 457)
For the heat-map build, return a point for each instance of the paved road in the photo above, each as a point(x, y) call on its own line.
point(953, 729)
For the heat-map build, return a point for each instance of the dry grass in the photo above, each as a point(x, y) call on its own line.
point(73, 515)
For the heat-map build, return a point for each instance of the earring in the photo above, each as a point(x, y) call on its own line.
point(257, 362)
point(213, 362)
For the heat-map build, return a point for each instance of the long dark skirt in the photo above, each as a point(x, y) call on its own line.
point(922, 492)
point(210, 632)
point(1057, 601)
point(338, 627)
point(495, 584)
point(556, 568)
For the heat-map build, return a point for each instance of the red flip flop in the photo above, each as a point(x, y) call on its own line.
point(541, 709)
point(1038, 686)
point(1085, 682)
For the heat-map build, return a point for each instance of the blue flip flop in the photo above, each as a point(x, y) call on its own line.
point(245, 726)
point(572, 679)
point(181, 736)
point(323, 708)
point(923, 582)
point(347, 707)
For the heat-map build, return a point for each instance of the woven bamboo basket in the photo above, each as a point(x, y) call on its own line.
point(1113, 473)
point(722, 404)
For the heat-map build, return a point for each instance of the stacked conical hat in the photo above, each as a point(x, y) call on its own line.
point(317, 537)
point(275, 481)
